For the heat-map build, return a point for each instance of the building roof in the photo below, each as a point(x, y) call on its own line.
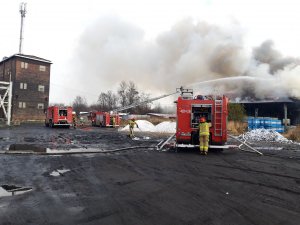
point(32, 57)
point(255, 101)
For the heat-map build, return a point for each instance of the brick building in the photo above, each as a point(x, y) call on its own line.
point(30, 76)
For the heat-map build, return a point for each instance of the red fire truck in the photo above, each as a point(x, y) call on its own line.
point(105, 119)
point(58, 116)
point(189, 111)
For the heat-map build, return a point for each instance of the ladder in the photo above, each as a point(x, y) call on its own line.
point(218, 117)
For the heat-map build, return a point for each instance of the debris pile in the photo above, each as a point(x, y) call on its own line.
point(264, 135)
point(144, 125)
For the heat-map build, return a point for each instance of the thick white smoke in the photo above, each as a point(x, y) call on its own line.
point(111, 51)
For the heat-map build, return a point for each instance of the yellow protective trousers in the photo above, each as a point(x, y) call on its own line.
point(203, 136)
point(131, 132)
point(204, 143)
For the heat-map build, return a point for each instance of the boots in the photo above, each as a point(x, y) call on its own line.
point(203, 152)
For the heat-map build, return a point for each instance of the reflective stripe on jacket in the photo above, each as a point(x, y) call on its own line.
point(204, 128)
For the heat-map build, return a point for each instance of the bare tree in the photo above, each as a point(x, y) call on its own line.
point(122, 93)
point(111, 100)
point(132, 94)
point(103, 102)
point(79, 104)
point(107, 101)
point(143, 108)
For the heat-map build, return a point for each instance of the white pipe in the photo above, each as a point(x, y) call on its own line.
point(244, 143)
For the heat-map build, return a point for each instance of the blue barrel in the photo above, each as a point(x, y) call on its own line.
point(256, 123)
point(278, 123)
point(250, 122)
point(280, 129)
point(273, 123)
point(267, 123)
point(261, 123)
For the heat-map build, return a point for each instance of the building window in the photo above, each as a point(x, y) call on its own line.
point(23, 85)
point(41, 88)
point(42, 68)
point(22, 105)
point(24, 65)
point(40, 106)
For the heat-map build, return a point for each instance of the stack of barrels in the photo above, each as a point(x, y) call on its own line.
point(269, 123)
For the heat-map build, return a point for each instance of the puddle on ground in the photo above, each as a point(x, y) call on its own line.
point(29, 139)
point(4, 138)
point(73, 150)
point(57, 173)
point(139, 138)
point(11, 190)
point(268, 148)
point(26, 148)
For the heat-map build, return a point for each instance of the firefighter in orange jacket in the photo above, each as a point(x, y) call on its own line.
point(131, 126)
point(203, 136)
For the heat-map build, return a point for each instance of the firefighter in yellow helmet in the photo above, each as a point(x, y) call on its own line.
point(131, 126)
point(203, 136)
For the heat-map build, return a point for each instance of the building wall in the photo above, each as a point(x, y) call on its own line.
point(26, 93)
point(32, 77)
point(7, 69)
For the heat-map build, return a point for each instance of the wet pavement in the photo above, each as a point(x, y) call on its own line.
point(142, 185)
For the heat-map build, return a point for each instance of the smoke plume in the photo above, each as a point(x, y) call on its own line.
point(112, 50)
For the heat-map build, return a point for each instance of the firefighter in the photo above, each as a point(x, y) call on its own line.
point(203, 136)
point(131, 126)
point(74, 119)
point(113, 121)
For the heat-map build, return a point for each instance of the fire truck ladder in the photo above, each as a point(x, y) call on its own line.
point(218, 118)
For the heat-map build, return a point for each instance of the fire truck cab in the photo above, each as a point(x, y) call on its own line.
point(189, 111)
point(58, 116)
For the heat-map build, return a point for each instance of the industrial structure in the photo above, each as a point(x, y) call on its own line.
point(30, 78)
point(285, 109)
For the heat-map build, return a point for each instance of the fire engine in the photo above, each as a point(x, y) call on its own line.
point(189, 111)
point(105, 119)
point(58, 116)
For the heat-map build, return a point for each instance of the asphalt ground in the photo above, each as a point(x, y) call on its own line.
point(143, 185)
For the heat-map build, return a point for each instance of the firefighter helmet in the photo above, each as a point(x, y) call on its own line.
point(202, 120)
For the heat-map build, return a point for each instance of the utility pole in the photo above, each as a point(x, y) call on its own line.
point(23, 12)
